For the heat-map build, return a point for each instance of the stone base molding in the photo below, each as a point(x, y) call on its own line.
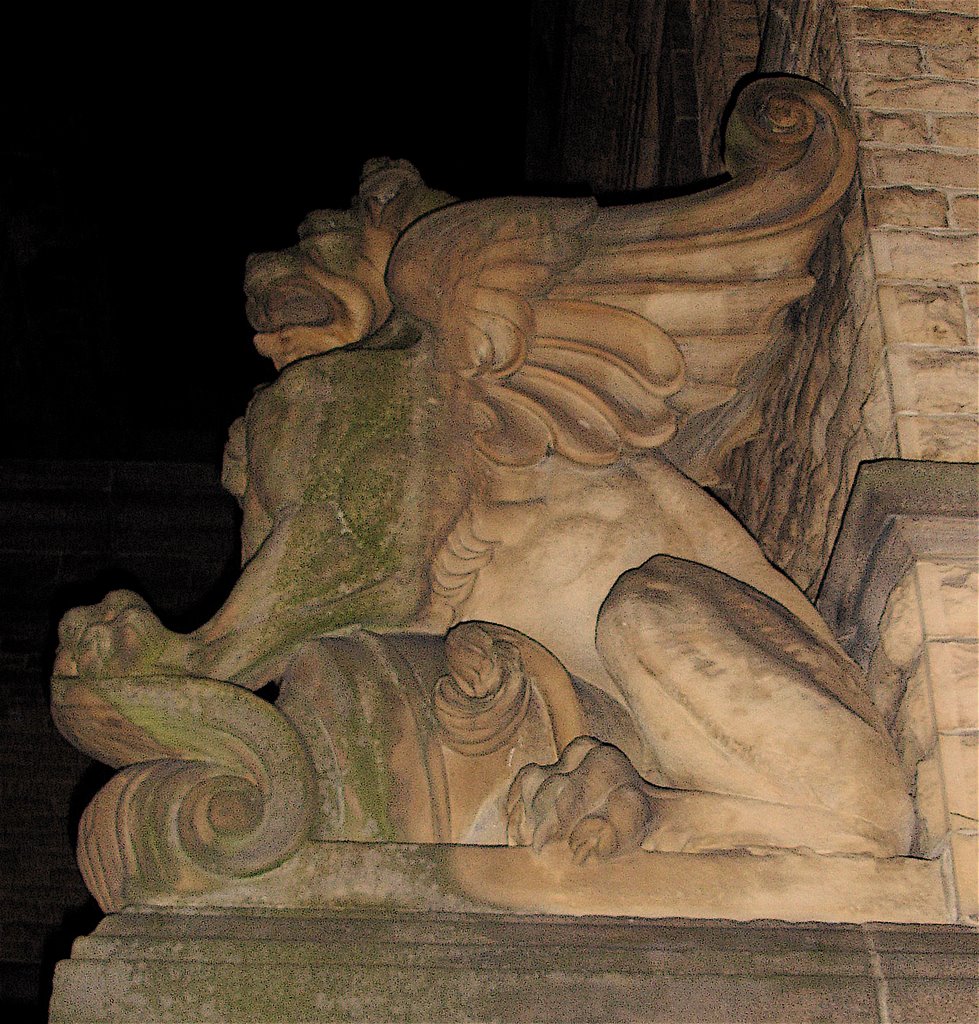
point(385, 965)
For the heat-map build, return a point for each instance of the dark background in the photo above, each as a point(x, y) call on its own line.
point(135, 181)
point(140, 164)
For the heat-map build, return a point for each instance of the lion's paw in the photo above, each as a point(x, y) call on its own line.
point(592, 798)
point(119, 636)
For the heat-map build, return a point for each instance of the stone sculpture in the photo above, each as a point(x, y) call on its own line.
point(479, 561)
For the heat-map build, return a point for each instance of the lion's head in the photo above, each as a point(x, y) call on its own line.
point(328, 291)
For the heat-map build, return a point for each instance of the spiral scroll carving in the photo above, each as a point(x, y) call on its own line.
point(778, 123)
point(483, 701)
point(215, 784)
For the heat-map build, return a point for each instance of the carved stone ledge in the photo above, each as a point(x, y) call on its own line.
point(785, 886)
point(900, 512)
point(439, 967)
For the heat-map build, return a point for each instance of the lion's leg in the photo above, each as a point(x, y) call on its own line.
point(742, 704)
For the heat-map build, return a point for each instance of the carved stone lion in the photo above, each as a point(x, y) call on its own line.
point(497, 610)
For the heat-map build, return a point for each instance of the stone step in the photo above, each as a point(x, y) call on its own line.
point(546, 956)
point(387, 966)
point(97, 991)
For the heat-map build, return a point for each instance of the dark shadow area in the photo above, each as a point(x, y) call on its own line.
point(23, 993)
point(658, 193)
point(269, 692)
point(132, 196)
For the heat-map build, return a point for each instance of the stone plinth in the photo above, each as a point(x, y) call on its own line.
point(900, 593)
point(378, 932)
point(388, 965)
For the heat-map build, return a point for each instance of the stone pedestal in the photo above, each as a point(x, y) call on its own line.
point(380, 932)
point(165, 966)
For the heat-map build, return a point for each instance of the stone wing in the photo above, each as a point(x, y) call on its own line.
point(594, 331)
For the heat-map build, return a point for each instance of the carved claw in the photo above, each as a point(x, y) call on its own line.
point(119, 636)
point(592, 798)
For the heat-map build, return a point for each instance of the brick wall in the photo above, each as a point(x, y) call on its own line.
point(885, 358)
point(69, 532)
point(914, 87)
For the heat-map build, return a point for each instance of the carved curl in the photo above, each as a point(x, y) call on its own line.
point(494, 673)
point(482, 703)
point(216, 784)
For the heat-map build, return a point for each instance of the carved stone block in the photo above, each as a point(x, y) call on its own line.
point(489, 601)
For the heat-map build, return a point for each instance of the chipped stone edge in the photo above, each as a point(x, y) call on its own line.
point(900, 511)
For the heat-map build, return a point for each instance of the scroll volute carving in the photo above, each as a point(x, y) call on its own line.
point(215, 784)
point(483, 700)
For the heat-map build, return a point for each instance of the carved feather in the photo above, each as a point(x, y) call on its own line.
point(594, 332)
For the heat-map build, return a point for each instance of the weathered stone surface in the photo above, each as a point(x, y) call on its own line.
point(923, 316)
point(919, 167)
point(955, 62)
point(900, 647)
point(901, 634)
point(911, 1001)
point(900, 512)
point(930, 380)
point(822, 394)
point(889, 59)
point(959, 755)
point(902, 128)
point(949, 594)
point(932, 811)
point(918, 26)
point(915, 722)
point(160, 993)
point(964, 212)
point(956, 130)
point(908, 514)
point(877, 418)
point(907, 207)
point(970, 293)
point(954, 668)
point(939, 438)
point(965, 861)
point(913, 94)
point(786, 886)
point(925, 255)
point(437, 967)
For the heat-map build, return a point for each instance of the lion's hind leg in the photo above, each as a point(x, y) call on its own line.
point(766, 726)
